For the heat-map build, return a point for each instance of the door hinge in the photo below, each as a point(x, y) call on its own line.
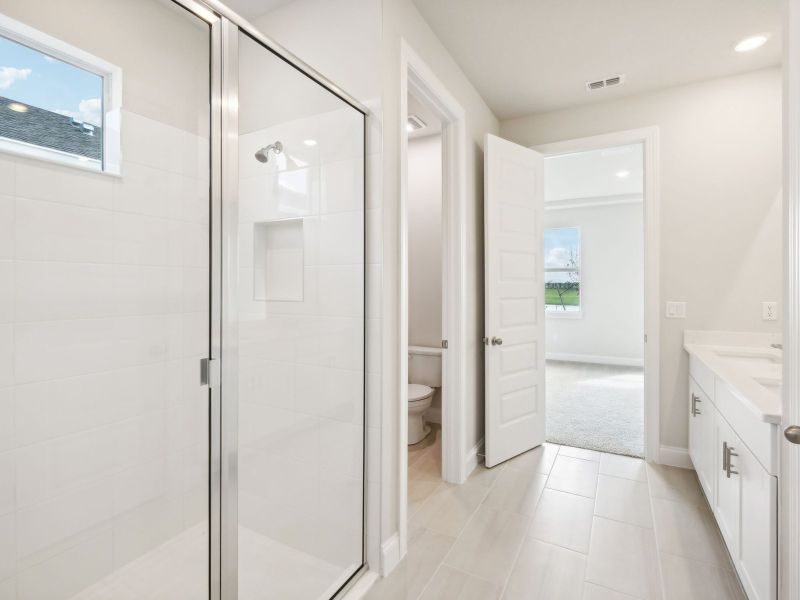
point(645, 338)
point(444, 344)
point(210, 372)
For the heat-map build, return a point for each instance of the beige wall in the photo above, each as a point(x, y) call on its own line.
point(720, 222)
point(425, 241)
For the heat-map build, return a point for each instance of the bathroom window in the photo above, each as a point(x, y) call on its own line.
point(562, 270)
point(57, 102)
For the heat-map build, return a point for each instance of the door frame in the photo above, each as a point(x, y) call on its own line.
point(648, 136)
point(789, 493)
point(419, 79)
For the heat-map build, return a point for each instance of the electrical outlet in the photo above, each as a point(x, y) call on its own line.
point(769, 311)
point(676, 310)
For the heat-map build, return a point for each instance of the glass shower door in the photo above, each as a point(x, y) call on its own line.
point(300, 326)
point(104, 308)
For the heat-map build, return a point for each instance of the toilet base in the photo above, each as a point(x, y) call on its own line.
point(417, 429)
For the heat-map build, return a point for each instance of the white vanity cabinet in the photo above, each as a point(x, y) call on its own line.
point(734, 453)
point(702, 419)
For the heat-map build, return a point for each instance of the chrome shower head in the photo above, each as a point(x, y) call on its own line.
point(262, 155)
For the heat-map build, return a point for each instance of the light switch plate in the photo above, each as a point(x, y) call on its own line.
point(769, 311)
point(676, 310)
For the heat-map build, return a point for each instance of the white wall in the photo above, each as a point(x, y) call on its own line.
point(720, 178)
point(425, 241)
point(611, 323)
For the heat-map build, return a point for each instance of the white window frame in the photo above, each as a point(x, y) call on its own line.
point(112, 100)
point(569, 314)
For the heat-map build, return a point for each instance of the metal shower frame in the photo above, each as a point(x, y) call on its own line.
point(225, 25)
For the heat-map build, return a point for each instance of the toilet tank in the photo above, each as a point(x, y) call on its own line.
point(425, 365)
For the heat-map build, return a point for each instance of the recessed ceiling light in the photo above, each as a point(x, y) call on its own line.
point(622, 174)
point(752, 42)
point(17, 107)
point(310, 142)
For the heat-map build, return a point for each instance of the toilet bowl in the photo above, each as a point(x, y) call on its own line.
point(419, 400)
point(424, 377)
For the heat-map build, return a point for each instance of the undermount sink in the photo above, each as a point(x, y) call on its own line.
point(751, 357)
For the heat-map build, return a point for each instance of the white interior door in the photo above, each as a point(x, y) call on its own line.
point(514, 289)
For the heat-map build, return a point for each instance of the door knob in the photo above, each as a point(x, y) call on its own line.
point(496, 341)
point(792, 433)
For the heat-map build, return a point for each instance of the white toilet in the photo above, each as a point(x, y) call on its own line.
point(424, 375)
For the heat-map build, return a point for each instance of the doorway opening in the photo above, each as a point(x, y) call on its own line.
point(594, 299)
point(432, 337)
point(598, 268)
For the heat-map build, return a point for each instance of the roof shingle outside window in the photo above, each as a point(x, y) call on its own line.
point(50, 130)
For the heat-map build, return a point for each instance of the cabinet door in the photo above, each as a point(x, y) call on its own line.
point(758, 553)
point(702, 416)
point(727, 504)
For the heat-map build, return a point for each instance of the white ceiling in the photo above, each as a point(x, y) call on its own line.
point(594, 175)
point(528, 56)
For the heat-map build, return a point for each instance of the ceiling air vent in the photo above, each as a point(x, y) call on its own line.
point(605, 83)
point(414, 123)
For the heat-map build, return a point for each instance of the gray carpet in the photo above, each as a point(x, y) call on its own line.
point(600, 407)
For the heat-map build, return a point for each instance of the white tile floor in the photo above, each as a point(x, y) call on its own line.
point(559, 523)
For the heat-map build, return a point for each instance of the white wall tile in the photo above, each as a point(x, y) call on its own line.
point(6, 224)
point(8, 589)
point(39, 181)
point(6, 291)
point(43, 525)
point(144, 190)
point(8, 550)
point(46, 291)
point(7, 422)
point(67, 573)
point(50, 468)
point(140, 240)
point(342, 186)
point(6, 355)
point(341, 238)
point(50, 231)
point(7, 175)
point(7, 484)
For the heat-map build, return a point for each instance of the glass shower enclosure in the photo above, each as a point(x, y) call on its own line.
point(182, 314)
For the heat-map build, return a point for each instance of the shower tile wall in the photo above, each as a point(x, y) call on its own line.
point(301, 362)
point(103, 320)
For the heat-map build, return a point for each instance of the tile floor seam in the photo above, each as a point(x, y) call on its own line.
point(528, 529)
point(443, 561)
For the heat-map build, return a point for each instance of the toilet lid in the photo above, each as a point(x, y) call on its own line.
point(417, 391)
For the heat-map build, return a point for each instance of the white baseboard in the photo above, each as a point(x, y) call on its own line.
point(675, 457)
point(390, 554)
point(472, 460)
point(598, 360)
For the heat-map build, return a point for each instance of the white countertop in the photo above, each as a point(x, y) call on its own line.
point(747, 363)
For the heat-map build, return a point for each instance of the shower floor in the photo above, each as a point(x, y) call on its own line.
point(268, 569)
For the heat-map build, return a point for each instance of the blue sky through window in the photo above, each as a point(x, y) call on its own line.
point(560, 245)
point(31, 77)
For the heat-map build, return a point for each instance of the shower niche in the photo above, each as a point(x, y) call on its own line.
point(278, 260)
